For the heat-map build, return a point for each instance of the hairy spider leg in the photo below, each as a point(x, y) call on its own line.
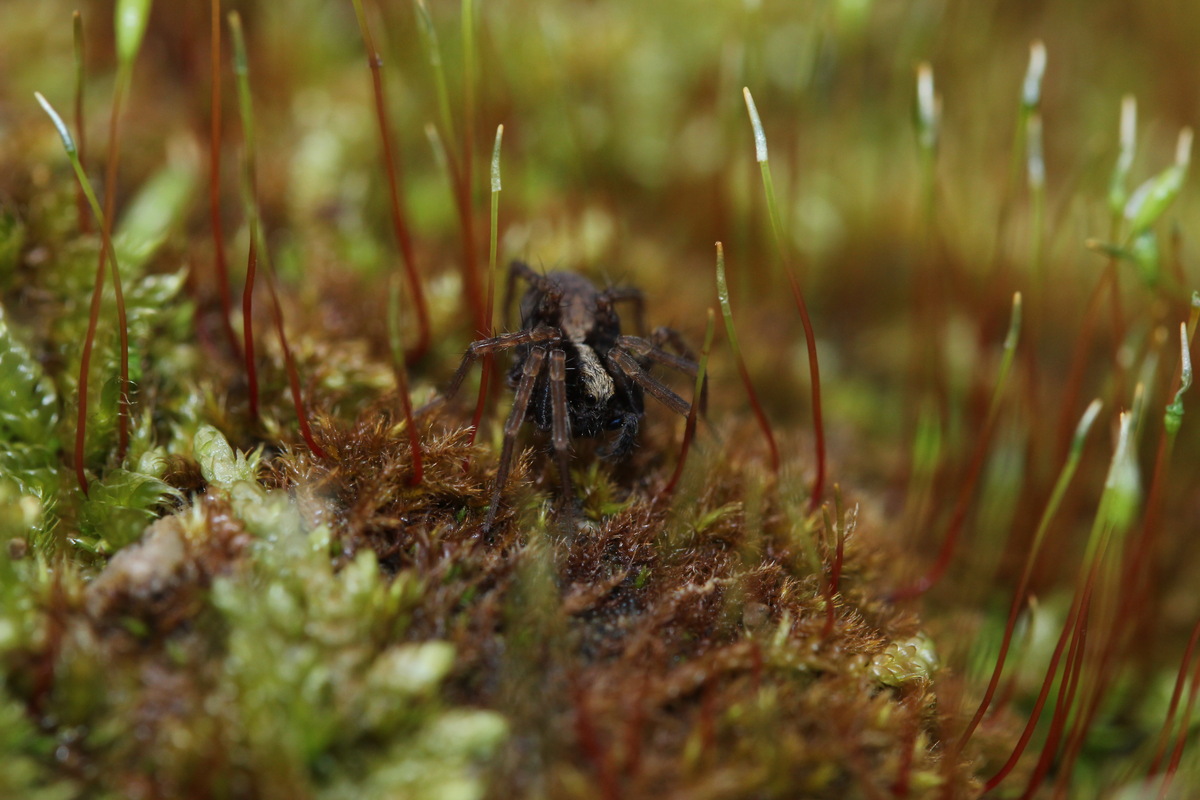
point(529, 373)
point(652, 349)
point(627, 294)
point(625, 362)
point(505, 341)
point(519, 269)
point(663, 335)
point(561, 424)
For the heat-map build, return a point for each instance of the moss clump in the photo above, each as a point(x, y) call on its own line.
point(226, 614)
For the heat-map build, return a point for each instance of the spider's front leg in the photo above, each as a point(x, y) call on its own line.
point(619, 358)
point(653, 350)
point(529, 373)
point(505, 341)
point(560, 421)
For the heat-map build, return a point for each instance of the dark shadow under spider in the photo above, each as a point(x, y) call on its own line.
point(574, 374)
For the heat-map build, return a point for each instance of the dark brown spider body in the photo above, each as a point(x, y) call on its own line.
point(599, 400)
point(574, 374)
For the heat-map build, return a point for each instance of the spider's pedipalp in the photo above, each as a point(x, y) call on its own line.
point(561, 425)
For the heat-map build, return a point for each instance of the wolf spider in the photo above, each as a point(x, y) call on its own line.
point(596, 376)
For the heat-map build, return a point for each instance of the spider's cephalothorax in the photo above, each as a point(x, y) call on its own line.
point(574, 374)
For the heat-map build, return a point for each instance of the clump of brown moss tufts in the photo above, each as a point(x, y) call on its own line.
point(644, 647)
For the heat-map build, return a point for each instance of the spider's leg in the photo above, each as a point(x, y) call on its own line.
point(628, 294)
point(504, 341)
point(647, 349)
point(560, 434)
point(622, 360)
point(652, 350)
point(663, 336)
point(623, 442)
point(529, 373)
point(519, 269)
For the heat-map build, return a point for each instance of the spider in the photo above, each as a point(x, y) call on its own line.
point(574, 374)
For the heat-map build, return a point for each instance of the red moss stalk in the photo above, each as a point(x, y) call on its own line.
point(1060, 488)
point(814, 374)
point(401, 372)
point(85, 361)
point(959, 517)
point(689, 428)
point(1181, 738)
point(220, 264)
point(593, 750)
point(1160, 748)
point(110, 202)
point(489, 361)
point(1039, 704)
point(399, 213)
point(248, 326)
point(731, 333)
point(290, 365)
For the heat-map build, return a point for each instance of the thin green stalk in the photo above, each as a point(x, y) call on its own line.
point(489, 361)
point(468, 38)
point(81, 204)
point(958, 518)
point(241, 72)
point(245, 105)
point(1036, 172)
point(434, 51)
point(928, 130)
point(1118, 197)
point(1114, 516)
point(131, 17)
point(468, 143)
point(1138, 575)
point(474, 294)
point(925, 311)
point(730, 332)
point(810, 340)
point(1051, 510)
point(459, 174)
point(94, 313)
point(1030, 103)
point(495, 217)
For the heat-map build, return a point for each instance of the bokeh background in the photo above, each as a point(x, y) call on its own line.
point(627, 153)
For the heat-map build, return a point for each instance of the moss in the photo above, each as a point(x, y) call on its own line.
point(227, 614)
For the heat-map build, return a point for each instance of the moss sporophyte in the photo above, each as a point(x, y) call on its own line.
point(871, 544)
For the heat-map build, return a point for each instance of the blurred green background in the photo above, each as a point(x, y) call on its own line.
point(627, 153)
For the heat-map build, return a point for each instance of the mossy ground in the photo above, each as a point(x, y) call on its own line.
point(225, 614)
